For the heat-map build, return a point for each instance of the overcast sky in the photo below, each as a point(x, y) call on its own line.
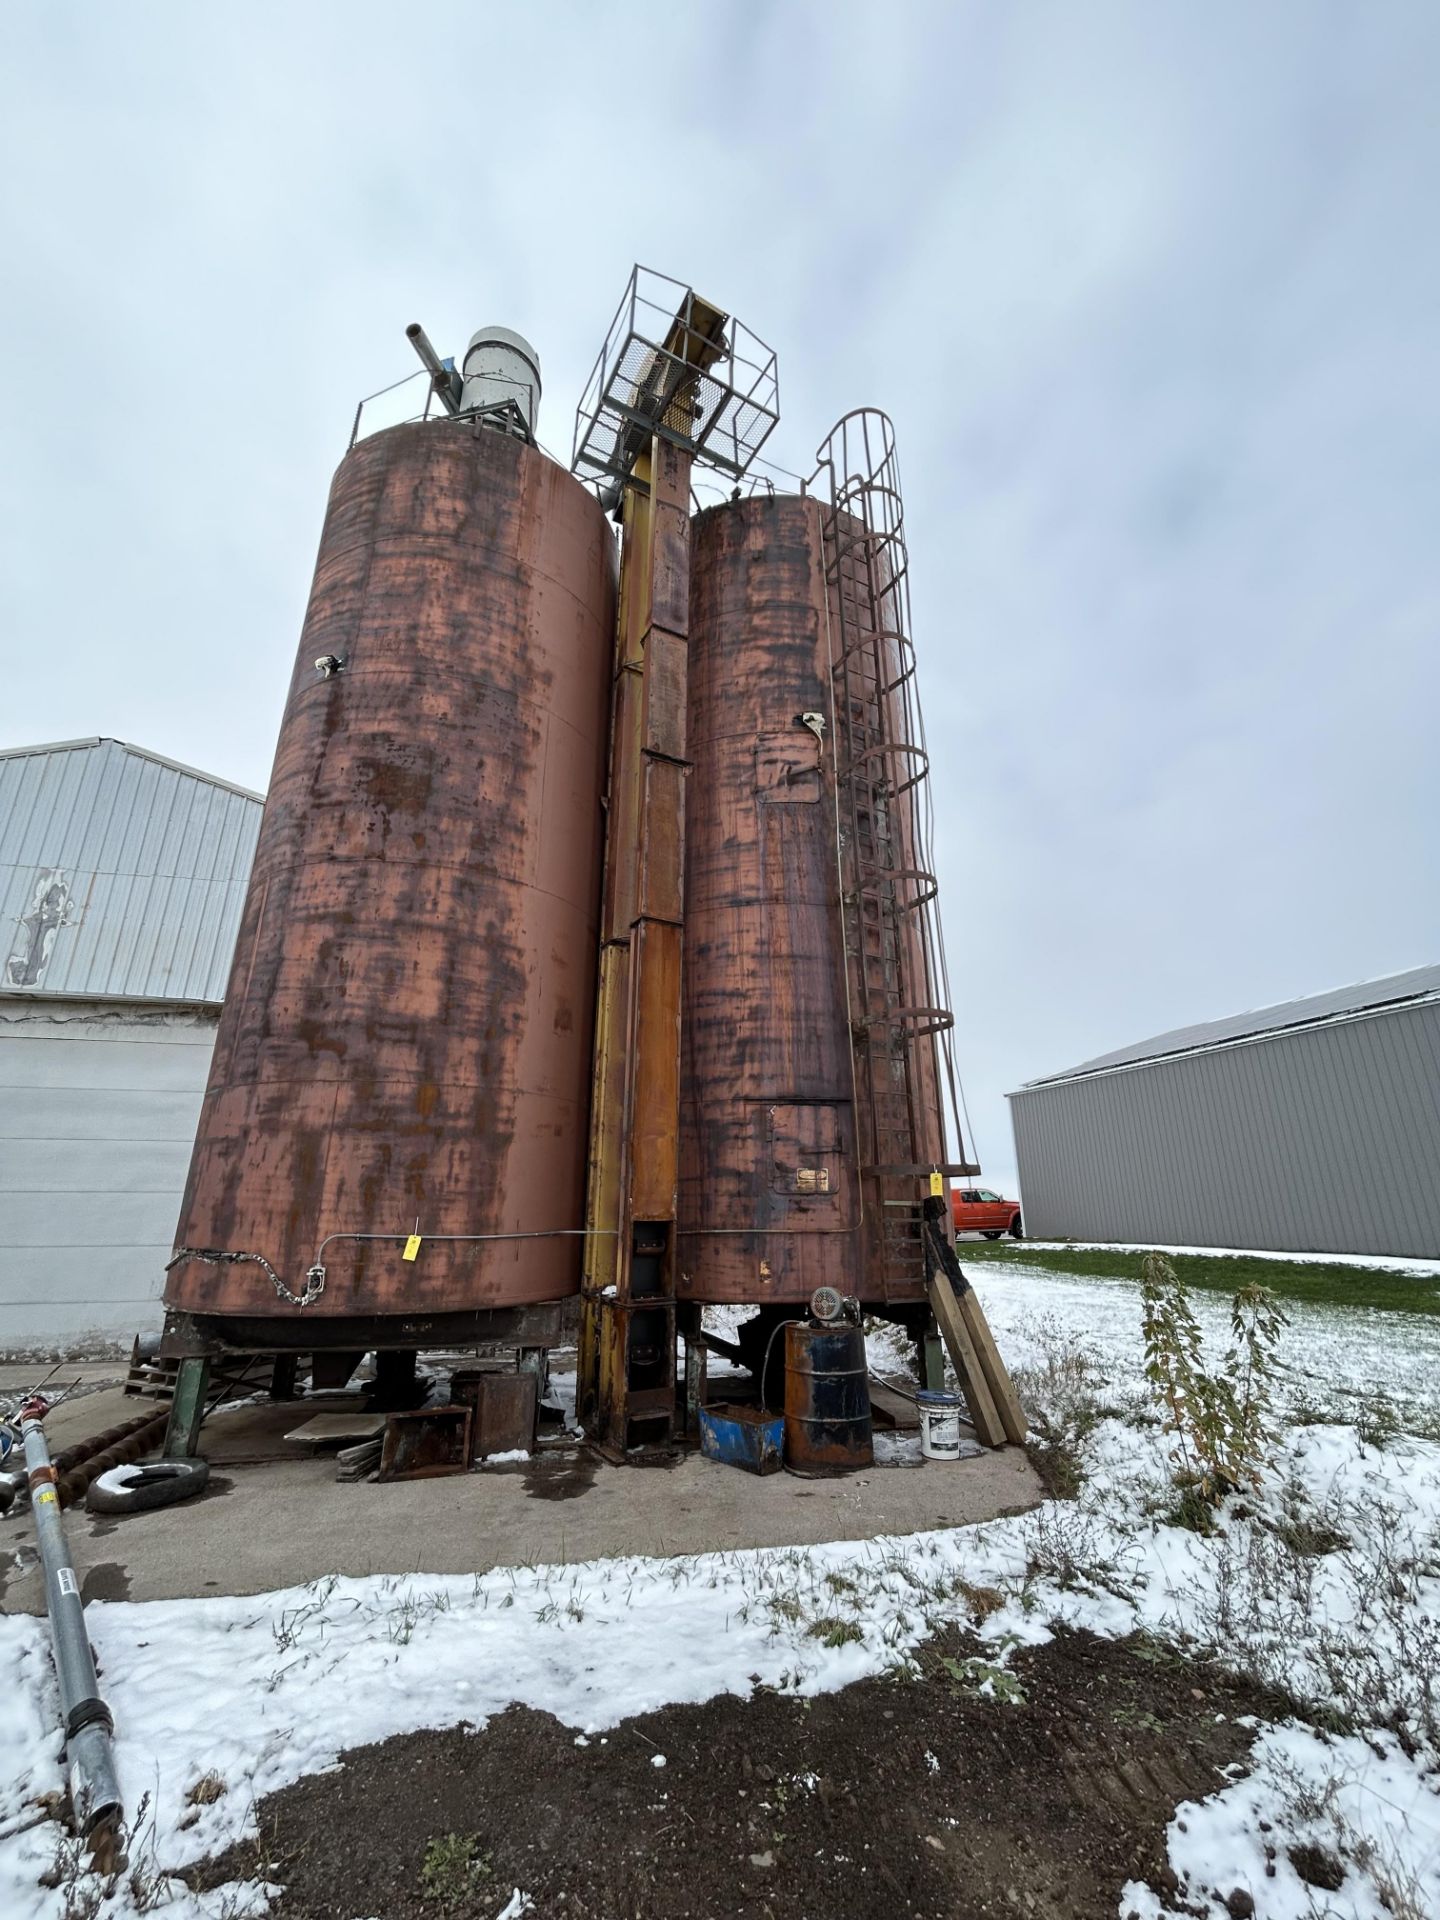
point(1151, 292)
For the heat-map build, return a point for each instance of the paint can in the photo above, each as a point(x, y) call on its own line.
point(939, 1425)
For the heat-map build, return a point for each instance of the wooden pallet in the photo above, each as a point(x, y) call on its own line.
point(151, 1379)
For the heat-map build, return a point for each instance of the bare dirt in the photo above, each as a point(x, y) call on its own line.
point(908, 1799)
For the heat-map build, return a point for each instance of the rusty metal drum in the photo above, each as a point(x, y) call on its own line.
point(769, 1203)
point(827, 1400)
point(405, 1045)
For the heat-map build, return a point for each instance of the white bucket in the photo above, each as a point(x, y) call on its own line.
point(939, 1425)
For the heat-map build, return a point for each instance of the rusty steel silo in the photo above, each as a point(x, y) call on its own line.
point(769, 1187)
point(405, 1045)
point(816, 1026)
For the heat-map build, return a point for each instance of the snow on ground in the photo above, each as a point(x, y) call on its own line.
point(1382, 1263)
point(1326, 1583)
point(1336, 1358)
point(1304, 1788)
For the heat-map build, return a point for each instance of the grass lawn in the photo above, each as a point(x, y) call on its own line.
point(1315, 1282)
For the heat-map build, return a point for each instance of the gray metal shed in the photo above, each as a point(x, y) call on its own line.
point(1309, 1127)
point(122, 882)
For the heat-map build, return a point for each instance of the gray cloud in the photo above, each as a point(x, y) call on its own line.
point(1151, 293)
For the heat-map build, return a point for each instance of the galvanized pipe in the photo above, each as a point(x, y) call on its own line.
point(444, 379)
point(94, 1788)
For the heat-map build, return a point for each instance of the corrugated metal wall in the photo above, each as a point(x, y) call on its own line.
point(98, 1107)
point(1324, 1140)
point(120, 873)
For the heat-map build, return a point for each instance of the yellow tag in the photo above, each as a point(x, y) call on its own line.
point(47, 1497)
point(937, 1187)
point(412, 1247)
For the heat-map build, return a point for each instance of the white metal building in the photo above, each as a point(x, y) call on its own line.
point(122, 881)
point(1308, 1127)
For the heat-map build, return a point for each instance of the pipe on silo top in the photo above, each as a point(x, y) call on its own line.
point(444, 379)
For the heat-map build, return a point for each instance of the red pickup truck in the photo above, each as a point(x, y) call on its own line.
point(977, 1210)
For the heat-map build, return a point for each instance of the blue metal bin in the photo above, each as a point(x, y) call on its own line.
point(747, 1437)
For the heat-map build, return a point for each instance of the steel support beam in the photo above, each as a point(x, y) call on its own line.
point(187, 1408)
point(932, 1365)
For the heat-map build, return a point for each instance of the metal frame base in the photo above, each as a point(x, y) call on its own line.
point(190, 1335)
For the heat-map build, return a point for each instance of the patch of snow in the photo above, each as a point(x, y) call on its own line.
point(890, 1353)
point(260, 1398)
point(1381, 1262)
point(1360, 1798)
point(116, 1479)
point(561, 1393)
point(1334, 1358)
point(510, 1457)
point(657, 1760)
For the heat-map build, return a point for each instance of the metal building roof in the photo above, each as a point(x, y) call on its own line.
point(122, 874)
point(1418, 984)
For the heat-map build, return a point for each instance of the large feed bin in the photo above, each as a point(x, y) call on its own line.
point(405, 1044)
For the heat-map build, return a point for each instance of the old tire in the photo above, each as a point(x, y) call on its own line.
point(1017, 1231)
point(141, 1489)
point(990, 1233)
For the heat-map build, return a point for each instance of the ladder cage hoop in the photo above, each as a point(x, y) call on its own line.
point(881, 754)
point(925, 885)
point(892, 642)
point(916, 1021)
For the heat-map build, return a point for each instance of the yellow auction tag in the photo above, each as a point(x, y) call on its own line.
point(47, 1497)
point(937, 1187)
point(412, 1247)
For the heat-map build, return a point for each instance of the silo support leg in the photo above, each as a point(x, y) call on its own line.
point(690, 1317)
point(187, 1408)
point(536, 1362)
point(933, 1359)
point(532, 1360)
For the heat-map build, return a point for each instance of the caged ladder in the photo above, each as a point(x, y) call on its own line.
point(901, 1025)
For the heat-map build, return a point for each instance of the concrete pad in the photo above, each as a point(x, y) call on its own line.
point(19, 1377)
point(269, 1522)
